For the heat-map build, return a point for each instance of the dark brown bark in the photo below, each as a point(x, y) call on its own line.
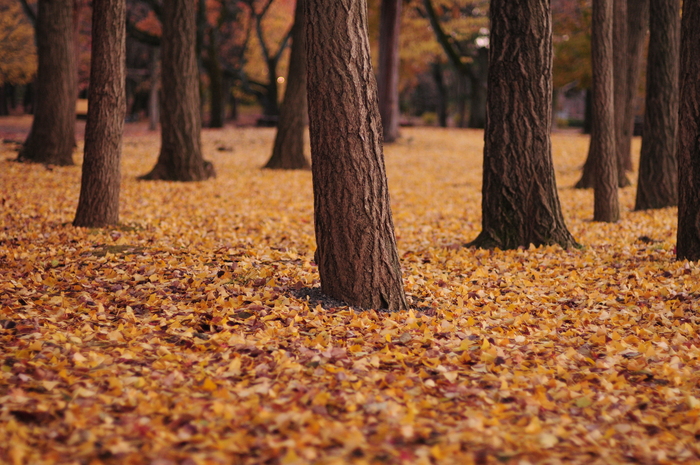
point(605, 204)
point(637, 26)
point(180, 157)
point(620, 69)
point(388, 84)
point(657, 186)
point(288, 150)
point(688, 245)
point(99, 192)
point(357, 257)
point(52, 136)
point(520, 205)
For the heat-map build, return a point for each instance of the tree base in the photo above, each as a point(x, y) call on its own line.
point(162, 172)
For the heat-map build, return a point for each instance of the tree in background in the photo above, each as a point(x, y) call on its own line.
point(688, 245)
point(605, 204)
point(520, 205)
point(17, 52)
point(180, 157)
point(388, 84)
point(620, 66)
point(657, 186)
point(99, 192)
point(357, 257)
point(52, 136)
point(288, 149)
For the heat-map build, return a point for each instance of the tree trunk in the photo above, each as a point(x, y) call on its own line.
point(441, 95)
point(99, 192)
point(390, 18)
point(288, 150)
point(637, 21)
point(357, 257)
point(520, 205)
point(153, 104)
point(477, 113)
point(212, 63)
point(620, 70)
point(688, 240)
point(52, 136)
point(180, 157)
point(657, 186)
point(605, 204)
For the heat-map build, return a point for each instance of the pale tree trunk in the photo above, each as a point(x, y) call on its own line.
point(357, 257)
point(153, 104)
point(657, 186)
point(605, 204)
point(620, 70)
point(52, 137)
point(99, 192)
point(520, 205)
point(288, 150)
point(180, 157)
point(390, 17)
point(688, 240)
point(637, 22)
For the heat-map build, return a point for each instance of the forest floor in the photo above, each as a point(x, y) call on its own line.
point(183, 336)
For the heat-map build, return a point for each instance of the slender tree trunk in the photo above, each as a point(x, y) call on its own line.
point(477, 113)
point(390, 18)
point(620, 70)
point(288, 150)
point(216, 81)
point(637, 22)
point(520, 205)
point(153, 104)
point(357, 257)
point(442, 95)
point(606, 207)
point(657, 186)
point(52, 136)
point(99, 192)
point(180, 156)
point(688, 240)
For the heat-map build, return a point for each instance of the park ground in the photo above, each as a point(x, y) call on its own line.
point(190, 334)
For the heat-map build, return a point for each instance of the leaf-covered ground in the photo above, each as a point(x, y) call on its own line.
point(184, 337)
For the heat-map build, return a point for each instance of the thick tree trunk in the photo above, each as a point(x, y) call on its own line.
point(388, 85)
point(688, 245)
point(605, 204)
point(637, 22)
point(620, 70)
point(357, 257)
point(288, 150)
point(180, 157)
point(657, 186)
point(99, 192)
point(520, 205)
point(52, 136)
point(153, 104)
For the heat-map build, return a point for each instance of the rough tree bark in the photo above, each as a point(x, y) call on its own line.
point(52, 136)
point(99, 192)
point(388, 85)
point(520, 205)
point(637, 22)
point(688, 239)
point(180, 157)
point(356, 255)
point(288, 150)
point(605, 204)
point(657, 186)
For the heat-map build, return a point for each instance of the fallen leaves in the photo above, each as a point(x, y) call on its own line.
point(179, 337)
